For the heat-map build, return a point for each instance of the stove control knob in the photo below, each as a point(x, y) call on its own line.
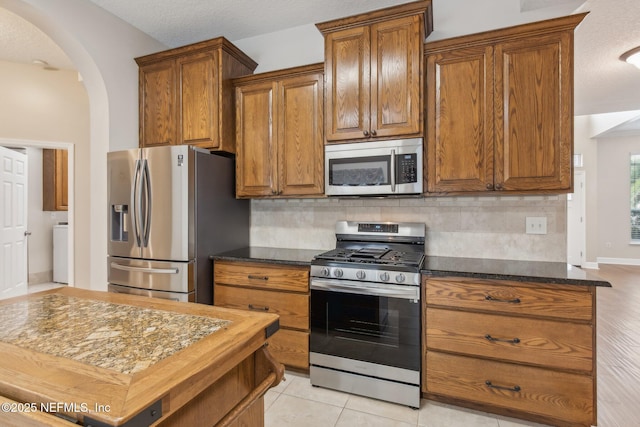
point(337, 272)
point(360, 274)
point(400, 278)
point(325, 272)
point(384, 277)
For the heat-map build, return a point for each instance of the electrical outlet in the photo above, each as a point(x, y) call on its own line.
point(536, 225)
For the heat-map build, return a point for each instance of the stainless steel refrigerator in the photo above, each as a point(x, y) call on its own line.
point(170, 209)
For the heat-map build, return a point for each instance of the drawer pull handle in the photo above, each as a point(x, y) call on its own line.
point(258, 277)
point(492, 339)
point(510, 301)
point(258, 308)
point(515, 388)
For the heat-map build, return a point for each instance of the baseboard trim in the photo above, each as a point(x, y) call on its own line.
point(590, 265)
point(620, 261)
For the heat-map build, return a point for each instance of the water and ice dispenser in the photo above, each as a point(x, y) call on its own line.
point(119, 220)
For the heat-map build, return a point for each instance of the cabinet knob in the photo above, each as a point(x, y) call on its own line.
point(366, 133)
point(489, 186)
point(373, 133)
point(498, 186)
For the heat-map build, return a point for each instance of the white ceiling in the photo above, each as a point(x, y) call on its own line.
point(602, 82)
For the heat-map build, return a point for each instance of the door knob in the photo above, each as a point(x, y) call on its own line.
point(27, 233)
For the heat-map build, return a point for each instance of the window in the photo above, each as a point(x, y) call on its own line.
point(635, 197)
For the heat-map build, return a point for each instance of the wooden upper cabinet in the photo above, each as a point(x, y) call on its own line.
point(280, 144)
point(185, 95)
point(460, 120)
point(256, 157)
point(55, 180)
point(300, 135)
point(534, 120)
point(199, 111)
point(373, 73)
point(158, 104)
point(500, 110)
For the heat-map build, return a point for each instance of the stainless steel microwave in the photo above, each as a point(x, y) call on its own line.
point(374, 168)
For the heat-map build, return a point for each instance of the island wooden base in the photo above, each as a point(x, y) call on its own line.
point(218, 380)
point(234, 400)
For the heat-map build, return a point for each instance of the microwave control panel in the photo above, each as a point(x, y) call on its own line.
point(406, 168)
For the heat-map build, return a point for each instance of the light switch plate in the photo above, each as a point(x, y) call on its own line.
point(536, 225)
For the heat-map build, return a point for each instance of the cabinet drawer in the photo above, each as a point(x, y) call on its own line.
point(563, 396)
point(258, 275)
point(290, 348)
point(561, 301)
point(293, 309)
point(548, 343)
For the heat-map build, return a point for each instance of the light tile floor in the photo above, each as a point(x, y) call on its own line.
point(44, 287)
point(295, 402)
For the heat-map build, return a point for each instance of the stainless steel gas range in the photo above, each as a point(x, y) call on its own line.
point(365, 311)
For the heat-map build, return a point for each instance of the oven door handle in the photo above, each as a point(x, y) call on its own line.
point(389, 291)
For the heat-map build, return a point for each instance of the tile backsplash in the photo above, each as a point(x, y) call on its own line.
point(476, 227)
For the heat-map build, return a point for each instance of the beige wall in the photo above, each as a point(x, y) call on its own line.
point(102, 47)
point(606, 165)
point(613, 237)
point(477, 227)
point(48, 107)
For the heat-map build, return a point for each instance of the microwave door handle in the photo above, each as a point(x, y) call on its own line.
point(393, 171)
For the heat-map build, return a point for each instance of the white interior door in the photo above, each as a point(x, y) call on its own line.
point(576, 228)
point(13, 217)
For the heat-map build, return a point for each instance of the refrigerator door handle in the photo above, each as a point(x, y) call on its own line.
point(147, 202)
point(117, 266)
point(135, 204)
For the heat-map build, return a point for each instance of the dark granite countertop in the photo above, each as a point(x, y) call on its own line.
point(529, 271)
point(270, 255)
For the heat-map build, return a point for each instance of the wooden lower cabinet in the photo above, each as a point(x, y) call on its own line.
point(525, 350)
point(270, 288)
point(291, 348)
point(565, 397)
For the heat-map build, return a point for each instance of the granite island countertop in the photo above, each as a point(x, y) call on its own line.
point(123, 338)
point(92, 349)
point(270, 255)
point(529, 271)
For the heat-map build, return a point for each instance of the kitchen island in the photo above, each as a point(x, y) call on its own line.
point(72, 356)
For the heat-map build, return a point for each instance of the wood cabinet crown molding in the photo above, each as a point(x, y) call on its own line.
point(276, 74)
point(424, 7)
point(564, 23)
point(203, 46)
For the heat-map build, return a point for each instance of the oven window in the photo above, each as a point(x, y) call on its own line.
point(371, 170)
point(369, 328)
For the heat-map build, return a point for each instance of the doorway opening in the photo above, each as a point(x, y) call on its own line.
point(35, 205)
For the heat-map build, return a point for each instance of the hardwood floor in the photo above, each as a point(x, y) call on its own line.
point(618, 329)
